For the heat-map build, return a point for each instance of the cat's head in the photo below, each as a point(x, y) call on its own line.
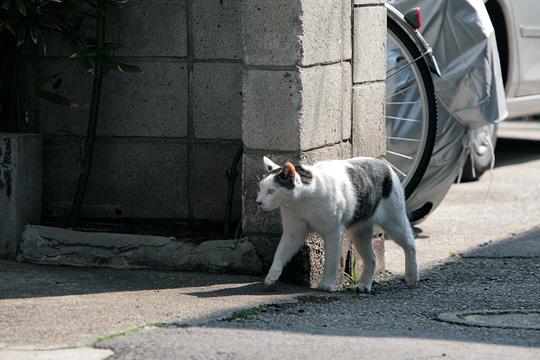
point(278, 185)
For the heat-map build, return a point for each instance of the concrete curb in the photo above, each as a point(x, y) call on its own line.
point(56, 246)
point(82, 353)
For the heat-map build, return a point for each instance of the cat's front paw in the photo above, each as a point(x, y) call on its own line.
point(362, 288)
point(412, 279)
point(328, 287)
point(271, 278)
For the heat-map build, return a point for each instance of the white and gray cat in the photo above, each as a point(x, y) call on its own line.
point(330, 197)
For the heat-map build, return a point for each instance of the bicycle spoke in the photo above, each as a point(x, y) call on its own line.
point(404, 66)
point(395, 168)
point(401, 102)
point(402, 90)
point(408, 108)
point(402, 139)
point(400, 155)
point(404, 119)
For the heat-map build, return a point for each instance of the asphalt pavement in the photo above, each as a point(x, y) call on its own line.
point(478, 298)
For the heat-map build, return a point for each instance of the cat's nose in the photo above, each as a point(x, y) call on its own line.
point(259, 203)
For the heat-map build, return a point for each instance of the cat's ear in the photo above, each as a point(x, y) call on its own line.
point(288, 170)
point(269, 165)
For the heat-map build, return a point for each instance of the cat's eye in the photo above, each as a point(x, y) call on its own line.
point(270, 191)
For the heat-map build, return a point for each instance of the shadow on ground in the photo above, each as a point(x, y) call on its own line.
point(21, 280)
point(500, 275)
point(516, 151)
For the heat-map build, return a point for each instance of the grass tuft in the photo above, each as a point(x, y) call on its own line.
point(112, 336)
point(244, 314)
point(174, 325)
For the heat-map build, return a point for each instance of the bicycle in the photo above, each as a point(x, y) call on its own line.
point(411, 105)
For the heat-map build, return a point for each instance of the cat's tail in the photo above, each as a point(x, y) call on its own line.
point(420, 213)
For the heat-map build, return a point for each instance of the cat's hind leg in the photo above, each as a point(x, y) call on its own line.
point(392, 217)
point(361, 237)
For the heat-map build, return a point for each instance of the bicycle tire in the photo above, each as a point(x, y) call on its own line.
point(427, 84)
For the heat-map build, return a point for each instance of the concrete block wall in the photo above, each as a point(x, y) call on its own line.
point(302, 97)
point(369, 74)
point(305, 98)
point(313, 87)
point(299, 80)
point(166, 136)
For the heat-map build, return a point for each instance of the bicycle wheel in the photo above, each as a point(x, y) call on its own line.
point(411, 109)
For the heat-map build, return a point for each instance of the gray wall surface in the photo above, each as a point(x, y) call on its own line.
point(166, 136)
point(313, 89)
point(20, 188)
point(286, 78)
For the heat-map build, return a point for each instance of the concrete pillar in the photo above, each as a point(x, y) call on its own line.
point(297, 102)
point(20, 187)
point(369, 74)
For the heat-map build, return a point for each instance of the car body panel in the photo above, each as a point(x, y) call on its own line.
point(522, 19)
point(527, 32)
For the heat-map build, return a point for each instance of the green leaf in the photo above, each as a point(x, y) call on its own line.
point(7, 4)
point(126, 68)
point(57, 99)
point(34, 34)
point(21, 34)
point(7, 27)
point(21, 6)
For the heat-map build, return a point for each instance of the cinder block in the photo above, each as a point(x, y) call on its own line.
point(153, 103)
point(20, 187)
point(322, 31)
point(149, 28)
point(286, 110)
point(217, 100)
point(347, 11)
point(134, 26)
point(321, 110)
point(77, 87)
point(347, 100)
point(255, 221)
point(339, 151)
point(209, 183)
point(369, 129)
point(298, 32)
point(369, 2)
point(369, 44)
point(131, 178)
point(271, 107)
point(270, 32)
point(217, 29)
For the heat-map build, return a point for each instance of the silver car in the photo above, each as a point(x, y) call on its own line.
point(517, 27)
